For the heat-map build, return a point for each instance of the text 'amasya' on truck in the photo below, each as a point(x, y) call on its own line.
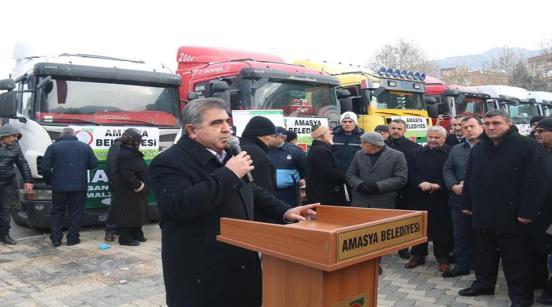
point(382, 97)
point(97, 96)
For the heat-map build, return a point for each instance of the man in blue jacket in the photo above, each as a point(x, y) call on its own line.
point(290, 162)
point(64, 168)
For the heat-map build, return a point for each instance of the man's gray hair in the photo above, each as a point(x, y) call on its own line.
point(438, 129)
point(193, 112)
point(399, 121)
point(497, 112)
point(68, 132)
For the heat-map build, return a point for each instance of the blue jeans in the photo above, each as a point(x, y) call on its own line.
point(463, 239)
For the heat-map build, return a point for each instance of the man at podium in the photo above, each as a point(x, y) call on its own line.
point(196, 182)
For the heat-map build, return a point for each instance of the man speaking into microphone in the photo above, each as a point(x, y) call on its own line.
point(196, 182)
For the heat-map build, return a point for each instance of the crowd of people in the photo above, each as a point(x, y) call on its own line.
point(486, 188)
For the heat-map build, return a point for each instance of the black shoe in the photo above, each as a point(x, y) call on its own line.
point(56, 243)
point(8, 240)
point(455, 273)
point(73, 242)
point(545, 298)
point(404, 254)
point(109, 236)
point(141, 239)
point(471, 291)
point(130, 243)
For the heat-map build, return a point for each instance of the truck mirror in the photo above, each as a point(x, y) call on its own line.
point(8, 104)
point(346, 104)
point(7, 85)
point(219, 86)
point(433, 110)
point(343, 93)
point(430, 101)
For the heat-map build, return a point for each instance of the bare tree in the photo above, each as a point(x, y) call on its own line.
point(405, 55)
point(505, 62)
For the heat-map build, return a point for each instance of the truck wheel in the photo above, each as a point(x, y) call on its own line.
point(15, 203)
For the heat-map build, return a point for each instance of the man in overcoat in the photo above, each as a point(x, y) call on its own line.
point(503, 192)
point(376, 173)
point(428, 192)
point(325, 179)
point(196, 182)
point(398, 141)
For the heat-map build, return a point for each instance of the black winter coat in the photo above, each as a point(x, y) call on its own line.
point(504, 182)
point(111, 161)
point(65, 164)
point(132, 171)
point(194, 191)
point(346, 146)
point(10, 155)
point(426, 164)
point(264, 173)
point(405, 146)
point(325, 180)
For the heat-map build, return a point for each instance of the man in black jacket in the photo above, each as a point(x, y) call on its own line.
point(398, 142)
point(64, 167)
point(325, 180)
point(196, 182)
point(258, 137)
point(10, 155)
point(503, 192)
point(456, 135)
point(346, 140)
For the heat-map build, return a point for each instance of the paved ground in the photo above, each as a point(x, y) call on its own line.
point(33, 273)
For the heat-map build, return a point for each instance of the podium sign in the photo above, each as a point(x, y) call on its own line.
point(331, 261)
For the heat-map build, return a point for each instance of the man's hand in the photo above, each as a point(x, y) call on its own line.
point(301, 213)
point(368, 188)
point(435, 187)
point(425, 186)
point(240, 164)
point(523, 221)
point(457, 188)
point(28, 187)
point(467, 212)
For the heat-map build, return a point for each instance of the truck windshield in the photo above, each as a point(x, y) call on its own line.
point(471, 106)
point(522, 113)
point(299, 99)
point(400, 100)
point(64, 101)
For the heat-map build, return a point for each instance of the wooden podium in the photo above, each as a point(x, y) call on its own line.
point(328, 262)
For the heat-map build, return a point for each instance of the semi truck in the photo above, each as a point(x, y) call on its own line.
point(543, 101)
point(99, 97)
point(258, 82)
point(380, 97)
point(451, 100)
point(513, 100)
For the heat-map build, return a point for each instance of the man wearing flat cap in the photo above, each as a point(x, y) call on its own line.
point(325, 180)
point(383, 130)
point(376, 173)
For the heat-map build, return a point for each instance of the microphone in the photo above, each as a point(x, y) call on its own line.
point(234, 144)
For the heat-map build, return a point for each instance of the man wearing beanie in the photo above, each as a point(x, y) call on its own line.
point(376, 173)
point(325, 180)
point(258, 137)
point(346, 140)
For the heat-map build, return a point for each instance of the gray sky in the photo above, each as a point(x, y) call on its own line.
point(337, 31)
